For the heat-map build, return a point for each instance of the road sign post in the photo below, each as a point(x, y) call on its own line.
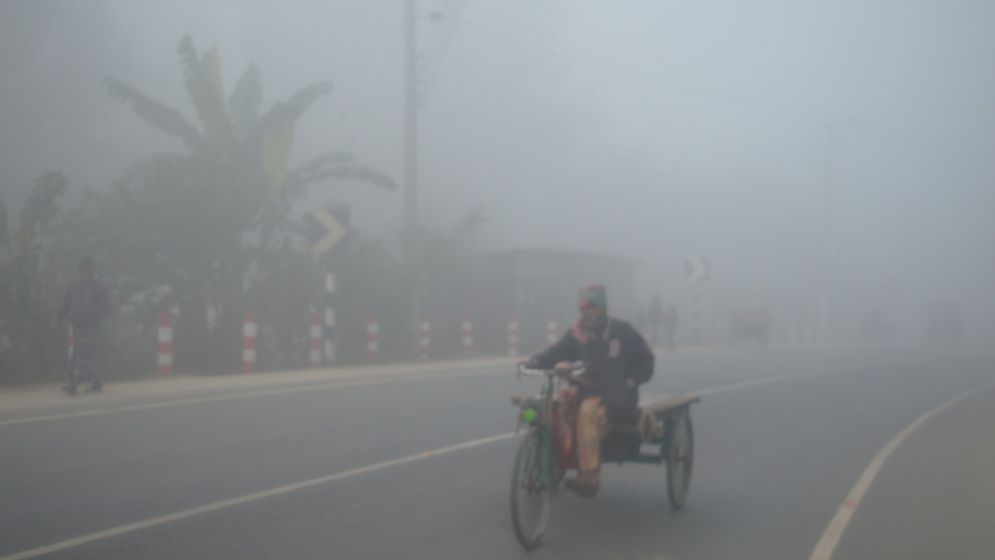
point(697, 270)
point(328, 228)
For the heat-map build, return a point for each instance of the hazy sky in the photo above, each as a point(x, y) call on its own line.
point(653, 129)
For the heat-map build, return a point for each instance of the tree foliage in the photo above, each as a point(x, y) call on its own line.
point(24, 313)
point(235, 130)
point(210, 227)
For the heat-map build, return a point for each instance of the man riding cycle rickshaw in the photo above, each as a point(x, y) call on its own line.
point(617, 360)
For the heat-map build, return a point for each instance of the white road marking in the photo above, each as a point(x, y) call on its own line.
point(831, 537)
point(237, 396)
point(785, 377)
point(225, 504)
point(341, 383)
point(647, 397)
point(239, 500)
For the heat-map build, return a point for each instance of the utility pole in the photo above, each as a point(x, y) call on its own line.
point(410, 116)
point(411, 165)
point(829, 241)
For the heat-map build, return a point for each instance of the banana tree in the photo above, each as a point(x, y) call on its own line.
point(229, 193)
point(234, 130)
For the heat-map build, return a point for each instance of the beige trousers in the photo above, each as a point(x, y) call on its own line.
point(592, 426)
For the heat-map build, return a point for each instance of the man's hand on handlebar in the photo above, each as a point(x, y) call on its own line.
point(571, 372)
point(564, 368)
point(567, 371)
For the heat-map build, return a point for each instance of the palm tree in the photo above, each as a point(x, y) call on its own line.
point(234, 131)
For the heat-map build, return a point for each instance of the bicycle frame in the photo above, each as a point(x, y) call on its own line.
point(554, 430)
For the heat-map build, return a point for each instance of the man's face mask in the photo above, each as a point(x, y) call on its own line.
point(590, 313)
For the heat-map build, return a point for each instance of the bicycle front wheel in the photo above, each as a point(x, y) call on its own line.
point(531, 496)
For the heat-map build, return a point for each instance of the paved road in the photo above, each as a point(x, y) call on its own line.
point(782, 437)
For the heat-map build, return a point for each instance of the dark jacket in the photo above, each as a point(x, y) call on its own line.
point(618, 362)
point(85, 303)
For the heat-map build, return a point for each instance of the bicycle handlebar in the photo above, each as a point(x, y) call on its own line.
point(576, 369)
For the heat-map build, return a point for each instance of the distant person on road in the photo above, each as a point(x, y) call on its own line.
point(84, 307)
point(670, 321)
point(618, 360)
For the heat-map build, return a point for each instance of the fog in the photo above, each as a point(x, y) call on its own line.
point(270, 270)
point(801, 147)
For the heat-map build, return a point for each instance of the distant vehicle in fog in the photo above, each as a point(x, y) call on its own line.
point(876, 327)
point(751, 323)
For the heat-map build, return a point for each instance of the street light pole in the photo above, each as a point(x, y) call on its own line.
point(411, 166)
point(410, 116)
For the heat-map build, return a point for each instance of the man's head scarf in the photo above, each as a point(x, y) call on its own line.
point(592, 326)
point(594, 295)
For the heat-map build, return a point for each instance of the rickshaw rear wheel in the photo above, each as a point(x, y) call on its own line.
point(680, 459)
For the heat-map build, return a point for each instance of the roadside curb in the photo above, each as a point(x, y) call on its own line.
point(44, 395)
point(49, 395)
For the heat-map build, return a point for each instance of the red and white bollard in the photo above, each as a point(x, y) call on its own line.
point(314, 340)
point(552, 331)
point(513, 337)
point(424, 337)
point(249, 332)
point(372, 338)
point(164, 337)
point(467, 329)
point(329, 333)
